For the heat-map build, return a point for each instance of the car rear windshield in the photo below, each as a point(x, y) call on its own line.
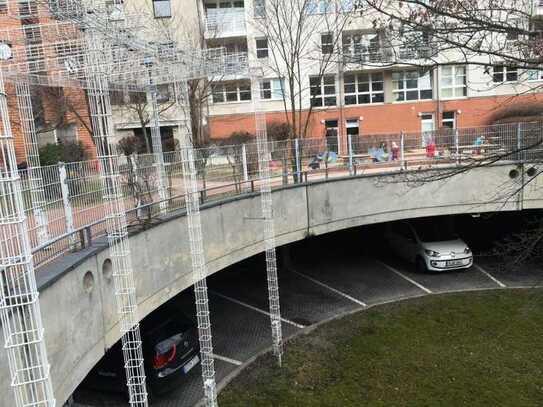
point(434, 231)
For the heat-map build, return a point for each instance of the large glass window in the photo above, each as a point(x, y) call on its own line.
point(317, 6)
point(260, 8)
point(323, 90)
point(214, 4)
point(448, 120)
point(272, 89)
point(411, 85)
point(363, 88)
point(502, 73)
point(235, 91)
point(327, 43)
point(162, 8)
point(534, 74)
point(262, 48)
point(453, 81)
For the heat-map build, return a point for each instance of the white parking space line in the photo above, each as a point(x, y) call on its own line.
point(363, 304)
point(486, 273)
point(227, 360)
point(244, 304)
point(423, 288)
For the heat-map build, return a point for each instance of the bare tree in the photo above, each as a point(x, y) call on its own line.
point(445, 32)
point(136, 105)
point(294, 48)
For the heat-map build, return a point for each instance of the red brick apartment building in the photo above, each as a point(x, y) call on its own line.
point(61, 114)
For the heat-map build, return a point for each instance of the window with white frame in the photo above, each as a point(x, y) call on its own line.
point(327, 43)
point(232, 91)
point(259, 8)
point(262, 50)
point(272, 89)
point(363, 88)
point(534, 74)
point(347, 5)
point(427, 124)
point(412, 85)
point(427, 127)
point(214, 4)
point(317, 6)
point(162, 8)
point(323, 90)
point(3, 6)
point(502, 73)
point(453, 81)
point(448, 120)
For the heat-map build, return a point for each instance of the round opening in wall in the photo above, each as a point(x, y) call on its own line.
point(513, 174)
point(88, 282)
point(107, 269)
point(531, 171)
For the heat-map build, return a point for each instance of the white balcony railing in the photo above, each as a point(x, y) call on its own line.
point(226, 22)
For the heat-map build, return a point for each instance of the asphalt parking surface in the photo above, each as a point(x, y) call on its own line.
point(313, 289)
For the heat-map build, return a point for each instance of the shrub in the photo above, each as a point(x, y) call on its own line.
point(131, 144)
point(50, 154)
point(279, 131)
point(67, 152)
point(238, 137)
point(74, 151)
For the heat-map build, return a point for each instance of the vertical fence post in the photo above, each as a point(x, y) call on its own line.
point(402, 151)
point(297, 158)
point(325, 158)
point(457, 146)
point(22, 324)
point(350, 146)
point(156, 143)
point(136, 180)
point(35, 172)
point(68, 213)
point(244, 161)
point(519, 142)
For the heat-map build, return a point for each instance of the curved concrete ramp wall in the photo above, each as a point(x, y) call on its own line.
point(77, 297)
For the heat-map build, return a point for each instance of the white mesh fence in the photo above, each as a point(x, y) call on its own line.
point(224, 170)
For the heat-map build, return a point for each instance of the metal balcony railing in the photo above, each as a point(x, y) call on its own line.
point(229, 22)
point(387, 55)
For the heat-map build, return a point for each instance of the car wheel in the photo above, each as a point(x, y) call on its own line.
point(421, 265)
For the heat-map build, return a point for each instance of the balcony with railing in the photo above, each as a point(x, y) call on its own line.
point(379, 56)
point(226, 22)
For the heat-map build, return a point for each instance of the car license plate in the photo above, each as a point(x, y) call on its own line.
point(190, 364)
point(454, 263)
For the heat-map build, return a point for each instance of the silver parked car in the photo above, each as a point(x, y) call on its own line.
point(430, 244)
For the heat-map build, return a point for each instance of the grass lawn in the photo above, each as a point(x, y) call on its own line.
point(469, 349)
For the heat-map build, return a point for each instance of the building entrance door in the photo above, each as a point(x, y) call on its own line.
point(353, 131)
point(427, 127)
point(332, 138)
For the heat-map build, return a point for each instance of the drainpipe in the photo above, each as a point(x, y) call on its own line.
point(438, 99)
point(341, 122)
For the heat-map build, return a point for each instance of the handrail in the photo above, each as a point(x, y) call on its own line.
point(82, 236)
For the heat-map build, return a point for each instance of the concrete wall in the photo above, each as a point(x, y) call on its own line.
point(81, 324)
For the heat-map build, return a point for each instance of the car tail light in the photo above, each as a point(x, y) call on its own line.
point(162, 359)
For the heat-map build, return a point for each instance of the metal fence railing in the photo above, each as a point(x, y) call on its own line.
point(71, 213)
